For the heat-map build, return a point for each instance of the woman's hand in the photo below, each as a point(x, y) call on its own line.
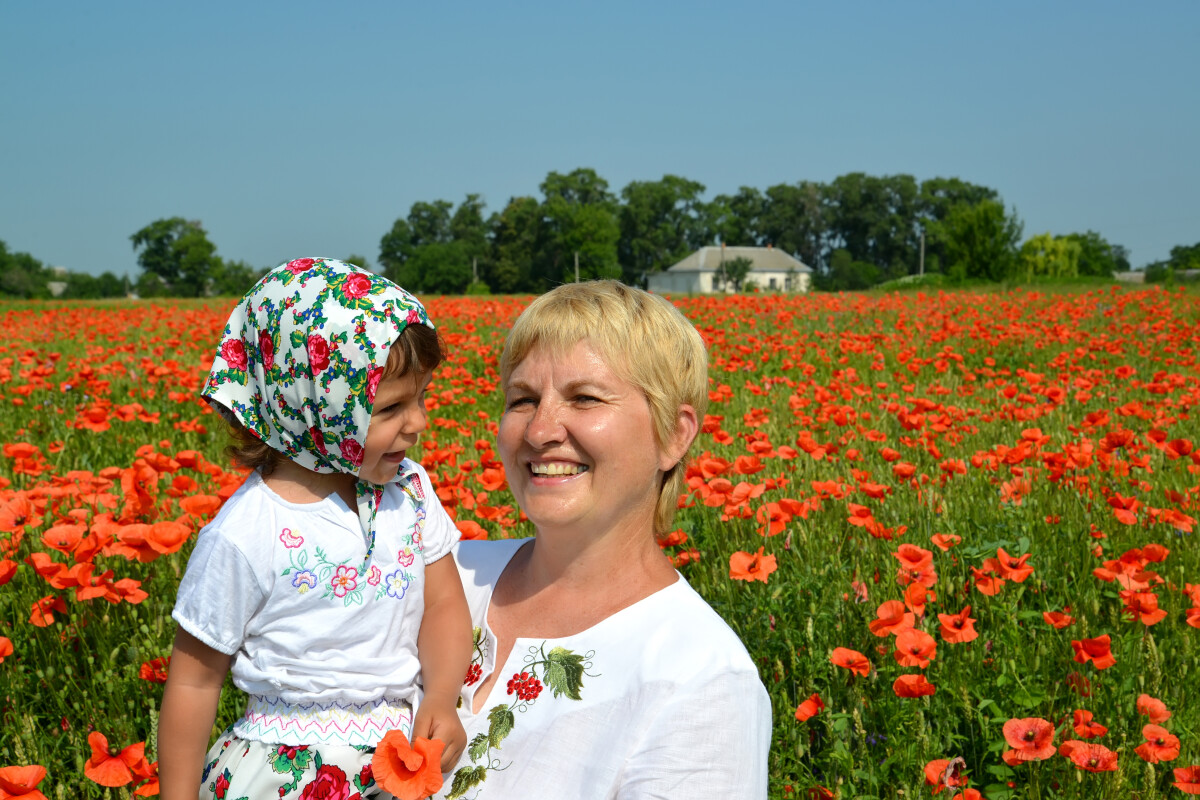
point(439, 720)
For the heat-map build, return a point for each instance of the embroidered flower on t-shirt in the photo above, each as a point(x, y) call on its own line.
point(374, 575)
point(345, 579)
point(290, 539)
point(397, 584)
point(304, 580)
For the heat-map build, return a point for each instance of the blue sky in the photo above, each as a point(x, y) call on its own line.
point(307, 128)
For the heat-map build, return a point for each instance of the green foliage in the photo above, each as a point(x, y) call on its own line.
point(1097, 256)
point(660, 223)
point(178, 252)
point(980, 241)
point(1046, 256)
point(22, 275)
point(732, 272)
point(846, 274)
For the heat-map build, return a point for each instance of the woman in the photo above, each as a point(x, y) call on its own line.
point(598, 672)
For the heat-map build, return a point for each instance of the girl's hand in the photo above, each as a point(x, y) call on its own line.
point(440, 721)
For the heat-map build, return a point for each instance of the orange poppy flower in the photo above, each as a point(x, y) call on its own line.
point(1031, 739)
point(1097, 650)
point(42, 612)
point(1057, 618)
point(1152, 708)
point(852, 660)
point(200, 505)
point(1187, 779)
point(987, 579)
point(915, 597)
point(751, 566)
point(891, 618)
point(913, 686)
point(1142, 606)
point(914, 648)
point(155, 670)
point(1085, 727)
point(942, 773)
point(470, 529)
point(1012, 568)
point(810, 708)
point(944, 541)
point(958, 628)
point(1160, 745)
point(408, 771)
point(109, 766)
point(1092, 757)
point(8, 568)
point(20, 783)
point(6, 648)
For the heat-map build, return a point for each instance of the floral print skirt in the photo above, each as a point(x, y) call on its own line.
point(239, 769)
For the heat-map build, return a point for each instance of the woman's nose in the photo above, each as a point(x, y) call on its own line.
point(545, 426)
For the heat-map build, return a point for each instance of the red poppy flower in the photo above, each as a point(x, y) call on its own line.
point(1187, 779)
point(852, 660)
point(1160, 745)
point(942, 773)
point(1057, 618)
point(1092, 757)
point(1012, 568)
point(20, 783)
point(410, 772)
point(1085, 727)
point(958, 628)
point(1097, 650)
point(913, 686)
point(109, 766)
point(751, 566)
point(155, 671)
point(6, 648)
point(1031, 739)
point(42, 612)
point(1152, 709)
point(915, 648)
point(891, 618)
point(944, 541)
point(810, 708)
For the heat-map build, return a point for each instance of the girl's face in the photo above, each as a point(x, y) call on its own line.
point(396, 423)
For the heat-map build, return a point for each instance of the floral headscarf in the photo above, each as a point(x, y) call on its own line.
point(301, 358)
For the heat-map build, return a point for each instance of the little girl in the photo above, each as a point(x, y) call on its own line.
point(325, 583)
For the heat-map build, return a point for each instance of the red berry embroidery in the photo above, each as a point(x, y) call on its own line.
point(525, 686)
point(474, 673)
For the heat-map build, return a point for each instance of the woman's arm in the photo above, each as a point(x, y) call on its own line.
point(444, 649)
point(189, 708)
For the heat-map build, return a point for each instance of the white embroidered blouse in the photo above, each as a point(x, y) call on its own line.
point(284, 588)
point(660, 700)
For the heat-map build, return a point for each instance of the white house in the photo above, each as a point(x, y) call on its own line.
point(771, 270)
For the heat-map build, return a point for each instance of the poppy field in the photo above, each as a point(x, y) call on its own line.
point(956, 530)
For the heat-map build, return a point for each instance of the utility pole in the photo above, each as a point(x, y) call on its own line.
point(577, 266)
point(922, 262)
point(474, 269)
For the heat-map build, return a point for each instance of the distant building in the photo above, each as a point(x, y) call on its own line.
point(771, 270)
point(59, 284)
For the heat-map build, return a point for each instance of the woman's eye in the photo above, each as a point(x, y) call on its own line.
point(586, 398)
point(519, 401)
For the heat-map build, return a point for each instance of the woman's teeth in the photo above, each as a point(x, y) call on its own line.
point(557, 468)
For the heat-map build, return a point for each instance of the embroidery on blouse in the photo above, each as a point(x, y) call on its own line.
point(352, 584)
point(560, 669)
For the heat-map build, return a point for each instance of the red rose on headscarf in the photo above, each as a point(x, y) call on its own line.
point(234, 353)
point(352, 451)
point(318, 352)
point(357, 285)
point(299, 265)
point(373, 378)
point(329, 784)
point(414, 318)
point(266, 349)
point(318, 440)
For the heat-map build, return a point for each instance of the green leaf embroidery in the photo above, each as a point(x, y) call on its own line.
point(500, 724)
point(564, 672)
point(466, 778)
point(478, 747)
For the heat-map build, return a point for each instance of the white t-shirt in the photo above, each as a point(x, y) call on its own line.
point(283, 588)
point(659, 700)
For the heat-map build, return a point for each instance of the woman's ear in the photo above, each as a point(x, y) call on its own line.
point(686, 428)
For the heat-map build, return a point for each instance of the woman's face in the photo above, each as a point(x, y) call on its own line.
point(578, 445)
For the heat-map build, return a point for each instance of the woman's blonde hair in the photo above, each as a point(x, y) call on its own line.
point(643, 338)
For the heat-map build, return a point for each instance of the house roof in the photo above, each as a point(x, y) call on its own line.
point(762, 259)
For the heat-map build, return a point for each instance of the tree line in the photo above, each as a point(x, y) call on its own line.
point(856, 231)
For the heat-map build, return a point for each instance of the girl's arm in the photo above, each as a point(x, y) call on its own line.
point(189, 708)
point(444, 649)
